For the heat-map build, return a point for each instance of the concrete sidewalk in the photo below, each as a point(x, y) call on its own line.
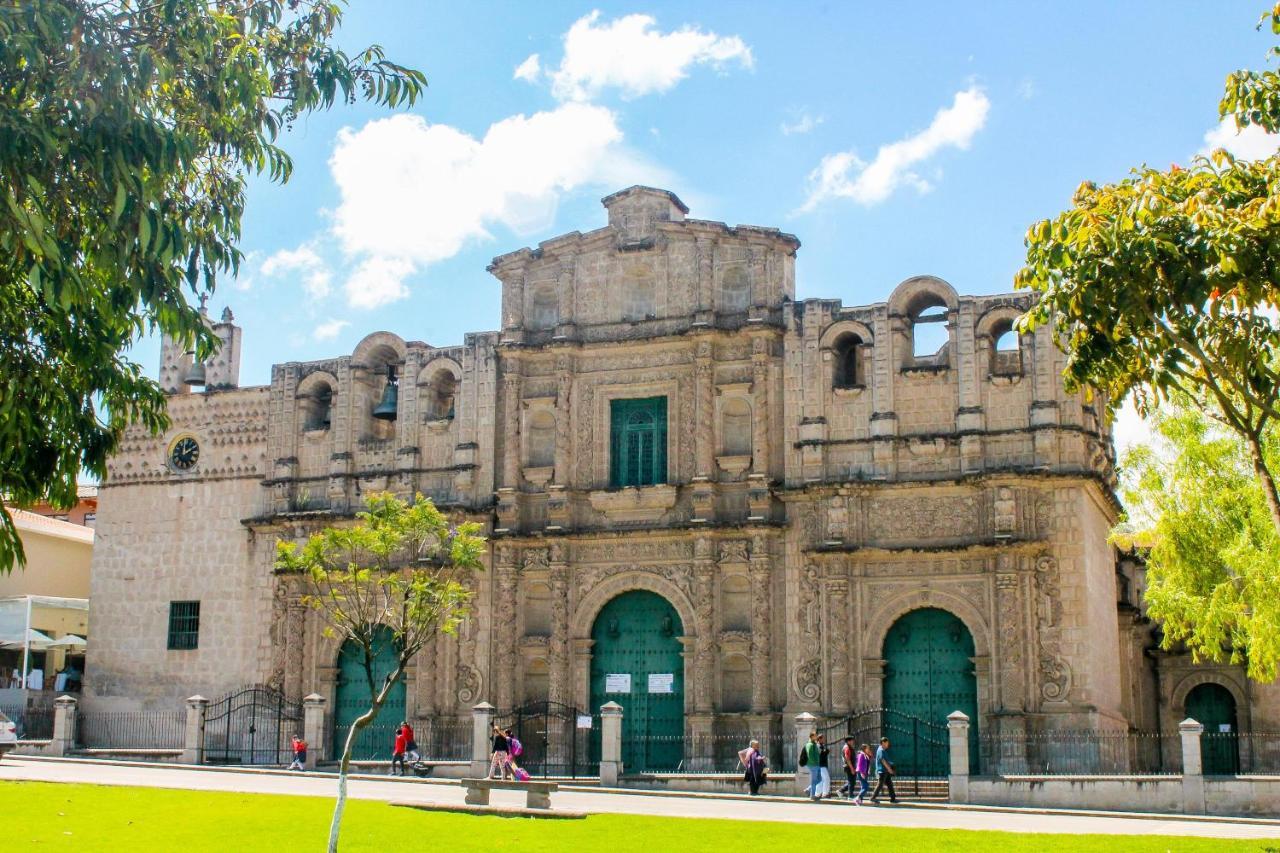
point(661, 804)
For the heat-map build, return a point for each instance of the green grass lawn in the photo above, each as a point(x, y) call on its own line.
point(46, 816)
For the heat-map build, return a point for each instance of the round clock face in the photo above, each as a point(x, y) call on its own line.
point(184, 453)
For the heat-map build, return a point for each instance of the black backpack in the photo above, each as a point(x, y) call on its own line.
point(804, 757)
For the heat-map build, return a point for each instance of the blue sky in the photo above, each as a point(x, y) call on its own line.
point(892, 142)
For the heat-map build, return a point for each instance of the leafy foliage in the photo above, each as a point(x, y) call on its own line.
point(401, 568)
point(127, 130)
point(1213, 549)
point(1166, 282)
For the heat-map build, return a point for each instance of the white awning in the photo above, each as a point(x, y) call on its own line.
point(36, 639)
point(70, 641)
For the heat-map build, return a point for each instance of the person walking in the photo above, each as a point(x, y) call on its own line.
point(824, 768)
point(397, 752)
point(299, 754)
point(862, 772)
point(501, 760)
point(884, 771)
point(848, 756)
point(756, 767)
point(810, 757)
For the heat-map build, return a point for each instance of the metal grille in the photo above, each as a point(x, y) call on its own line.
point(638, 435)
point(553, 742)
point(184, 624)
point(252, 726)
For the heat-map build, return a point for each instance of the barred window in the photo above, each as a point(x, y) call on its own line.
point(184, 624)
point(638, 433)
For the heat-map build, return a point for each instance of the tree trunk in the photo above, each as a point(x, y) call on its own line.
point(1265, 478)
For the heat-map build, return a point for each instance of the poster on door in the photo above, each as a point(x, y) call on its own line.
point(617, 682)
point(662, 682)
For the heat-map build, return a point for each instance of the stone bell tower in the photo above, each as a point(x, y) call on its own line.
point(222, 371)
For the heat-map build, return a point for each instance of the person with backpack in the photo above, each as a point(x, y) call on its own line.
point(757, 767)
point(501, 760)
point(824, 768)
point(810, 757)
point(515, 748)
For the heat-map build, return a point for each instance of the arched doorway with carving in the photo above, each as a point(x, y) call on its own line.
point(928, 673)
point(637, 661)
point(351, 698)
point(1213, 706)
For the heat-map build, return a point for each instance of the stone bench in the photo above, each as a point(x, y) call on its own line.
point(537, 794)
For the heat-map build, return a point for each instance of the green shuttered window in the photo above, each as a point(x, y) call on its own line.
point(638, 442)
point(184, 624)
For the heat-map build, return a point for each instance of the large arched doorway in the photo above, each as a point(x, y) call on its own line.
point(1213, 706)
point(636, 661)
point(351, 698)
point(928, 673)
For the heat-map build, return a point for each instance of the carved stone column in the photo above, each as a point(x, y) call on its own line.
point(704, 657)
point(558, 647)
point(1009, 618)
point(760, 406)
point(761, 627)
point(564, 388)
point(511, 429)
point(704, 405)
point(838, 643)
point(504, 628)
point(706, 281)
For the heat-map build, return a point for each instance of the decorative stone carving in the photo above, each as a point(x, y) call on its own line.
point(535, 559)
point(733, 551)
point(1009, 636)
point(704, 658)
point(1005, 512)
point(805, 678)
point(637, 503)
point(1055, 674)
point(838, 641)
point(632, 551)
point(559, 645)
point(468, 684)
point(504, 634)
point(761, 630)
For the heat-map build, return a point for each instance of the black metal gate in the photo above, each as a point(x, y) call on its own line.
point(919, 749)
point(254, 725)
point(555, 737)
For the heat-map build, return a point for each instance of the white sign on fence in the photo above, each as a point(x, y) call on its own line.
point(661, 682)
point(617, 682)
point(584, 721)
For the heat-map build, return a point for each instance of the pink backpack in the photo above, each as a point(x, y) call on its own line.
point(516, 748)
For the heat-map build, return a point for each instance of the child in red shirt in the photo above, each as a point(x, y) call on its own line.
point(299, 754)
point(397, 753)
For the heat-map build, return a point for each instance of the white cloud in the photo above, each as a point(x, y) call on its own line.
point(1252, 143)
point(804, 124)
point(414, 193)
point(314, 273)
point(529, 70)
point(330, 330)
point(630, 55)
point(845, 175)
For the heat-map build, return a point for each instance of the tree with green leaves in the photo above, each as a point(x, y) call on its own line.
point(1212, 550)
point(127, 131)
point(399, 574)
point(1167, 282)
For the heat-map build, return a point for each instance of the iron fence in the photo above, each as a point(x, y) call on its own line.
point(919, 749)
point(31, 723)
point(131, 729)
point(1251, 753)
point(557, 739)
point(1080, 753)
point(709, 753)
point(438, 740)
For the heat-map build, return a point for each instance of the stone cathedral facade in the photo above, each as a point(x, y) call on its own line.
point(772, 505)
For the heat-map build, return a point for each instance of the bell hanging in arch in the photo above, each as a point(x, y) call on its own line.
point(195, 374)
point(386, 409)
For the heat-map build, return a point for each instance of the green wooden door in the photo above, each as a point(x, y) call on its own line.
point(352, 698)
point(1213, 706)
point(637, 634)
point(928, 673)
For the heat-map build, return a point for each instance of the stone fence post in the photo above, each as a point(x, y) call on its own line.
point(193, 742)
point(64, 726)
point(481, 738)
point(805, 723)
point(1192, 767)
point(313, 729)
point(958, 732)
point(610, 744)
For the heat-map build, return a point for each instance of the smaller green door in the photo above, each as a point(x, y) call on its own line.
point(1213, 706)
point(352, 698)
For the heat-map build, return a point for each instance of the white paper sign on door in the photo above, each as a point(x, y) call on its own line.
point(617, 682)
point(584, 721)
point(661, 682)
